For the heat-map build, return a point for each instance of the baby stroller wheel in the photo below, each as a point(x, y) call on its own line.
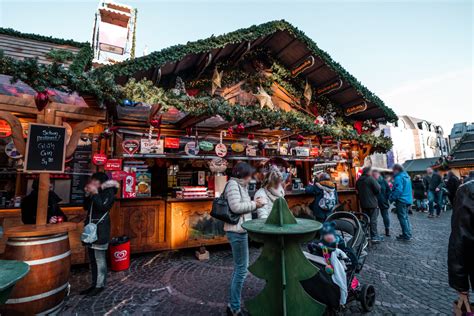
point(367, 297)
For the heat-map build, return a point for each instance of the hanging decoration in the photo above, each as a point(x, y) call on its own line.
point(358, 126)
point(221, 148)
point(264, 98)
point(216, 80)
point(240, 128)
point(130, 146)
point(179, 87)
point(308, 93)
point(42, 98)
point(251, 136)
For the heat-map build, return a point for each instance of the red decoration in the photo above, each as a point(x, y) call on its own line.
point(113, 165)
point(314, 152)
point(300, 138)
point(171, 142)
point(358, 126)
point(42, 99)
point(5, 129)
point(251, 136)
point(230, 131)
point(99, 159)
point(240, 128)
point(156, 121)
point(129, 186)
point(192, 92)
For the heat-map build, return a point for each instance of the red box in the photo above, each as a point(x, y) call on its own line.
point(171, 142)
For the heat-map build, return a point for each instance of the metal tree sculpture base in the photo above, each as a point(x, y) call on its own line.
point(282, 264)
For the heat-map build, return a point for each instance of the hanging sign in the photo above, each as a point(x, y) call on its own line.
point(99, 159)
point(113, 165)
point(151, 146)
point(46, 148)
point(206, 146)
point(304, 65)
point(356, 108)
point(5, 129)
point(301, 151)
point(251, 150)
point(333, 86)
point(237, 147)
point(191, 149)
point(221, 150)
point(171, 142)
point(130, 146)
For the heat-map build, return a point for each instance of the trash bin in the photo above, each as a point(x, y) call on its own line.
point(119, 253)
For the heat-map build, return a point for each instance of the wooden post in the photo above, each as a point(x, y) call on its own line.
point(43, 194)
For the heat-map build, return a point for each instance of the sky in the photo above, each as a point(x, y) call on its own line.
point(417, 56)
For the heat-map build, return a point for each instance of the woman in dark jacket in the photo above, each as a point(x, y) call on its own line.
point(461, 241)
point(100, 197)
point(325, 197)
point(419, 193)
point(452, 185)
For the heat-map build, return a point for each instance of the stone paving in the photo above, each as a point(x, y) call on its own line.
point(410, 279)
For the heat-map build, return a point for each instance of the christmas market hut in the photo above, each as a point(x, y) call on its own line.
point(461, 158)
point(52, 116)
point(267, 95)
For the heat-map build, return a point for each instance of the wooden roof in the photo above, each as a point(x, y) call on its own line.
point(287, 44)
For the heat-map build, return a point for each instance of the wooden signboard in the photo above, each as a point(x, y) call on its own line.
point(46, 148)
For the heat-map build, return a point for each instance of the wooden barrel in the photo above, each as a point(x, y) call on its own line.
point(46, 285)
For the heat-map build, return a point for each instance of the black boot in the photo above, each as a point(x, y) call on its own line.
point(95, 291)
point(387, 232)
point(87, 291)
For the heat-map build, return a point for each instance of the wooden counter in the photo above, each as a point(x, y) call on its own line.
point(154, 224)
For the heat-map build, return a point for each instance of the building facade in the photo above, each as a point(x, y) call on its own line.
point(458, 131)
point(413, 138)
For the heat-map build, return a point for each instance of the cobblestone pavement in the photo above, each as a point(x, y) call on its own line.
point(410, 279)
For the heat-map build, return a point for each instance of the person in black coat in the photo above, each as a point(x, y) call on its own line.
point(368, 189)
point(452, 184)
point(419, 193)
point(100, 197)
point(383, 199)
point(29, 205)
point(461, 240)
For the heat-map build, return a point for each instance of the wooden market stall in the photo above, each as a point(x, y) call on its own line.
point(264, 95)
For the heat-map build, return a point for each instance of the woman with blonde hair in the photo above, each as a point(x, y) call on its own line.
point(272, 189)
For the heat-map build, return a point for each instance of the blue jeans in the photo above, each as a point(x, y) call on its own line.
point(402, 214)
point(240, 254)
point(435, 197)
point(98, 266)
point(385, 217)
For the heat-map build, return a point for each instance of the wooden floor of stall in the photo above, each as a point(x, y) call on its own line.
point(154, 224)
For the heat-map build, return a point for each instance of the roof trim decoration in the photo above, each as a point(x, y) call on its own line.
point(42, 38)
point(178, 52)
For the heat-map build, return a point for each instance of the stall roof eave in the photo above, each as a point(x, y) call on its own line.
point(288, 44)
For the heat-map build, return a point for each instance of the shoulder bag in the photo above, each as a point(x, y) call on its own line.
point(89, 233)
point(221, 210)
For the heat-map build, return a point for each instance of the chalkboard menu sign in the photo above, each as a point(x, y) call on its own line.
point(46, 148)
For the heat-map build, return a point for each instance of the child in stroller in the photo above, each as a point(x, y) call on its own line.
point(345, 234)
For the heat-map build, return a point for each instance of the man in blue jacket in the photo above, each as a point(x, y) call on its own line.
point(402, 196)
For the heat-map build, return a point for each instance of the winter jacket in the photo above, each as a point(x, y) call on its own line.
point(401, 191)
point(318, 191)
point(269, 195)
point(434, 181)
point(237, 196)
point(461, 240)
point(384, 194)
point(419, 189)
point(368, 189)
point(100, 204)
point(29, 205)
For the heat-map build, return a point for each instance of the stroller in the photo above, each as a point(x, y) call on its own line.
point(354, 229)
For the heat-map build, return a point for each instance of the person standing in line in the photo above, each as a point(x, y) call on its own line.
point(368, 189)
point(461, 240)
point(402, 196)
point(419, 193)
point(236, 194)
point(325, 196)
point(100, 197)
point(272, 189)
point(383, 200)
point(452, 185)
point(435, 196)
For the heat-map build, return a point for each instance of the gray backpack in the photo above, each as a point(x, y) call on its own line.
point(89, 234)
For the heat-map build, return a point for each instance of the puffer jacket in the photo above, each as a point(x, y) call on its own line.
point(402, 191)
point(100, 204)
point(237, 196)
point(270, 195)
point(318, 191)
point(461, 240)
point(419, 189)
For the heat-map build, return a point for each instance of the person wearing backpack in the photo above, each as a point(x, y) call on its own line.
point(100, 197)
point(237, 196)
point(325, 197)
point(368, 189)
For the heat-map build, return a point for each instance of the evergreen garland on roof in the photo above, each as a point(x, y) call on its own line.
point(42, 38)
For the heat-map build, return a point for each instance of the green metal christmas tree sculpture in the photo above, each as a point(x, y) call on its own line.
point(282, 264)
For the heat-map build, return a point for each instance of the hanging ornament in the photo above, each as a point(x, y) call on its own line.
point(251, 136)
point(216, 80)
point(358, 126)
point(264, 98)
point(179, 87)
point(319, 121)
point(42, 98)
point(300, 138)
point(240, 128)
point(308, 93)
point(230, 131)
point(156, 121)
point(221, 149)
point(192, 92)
